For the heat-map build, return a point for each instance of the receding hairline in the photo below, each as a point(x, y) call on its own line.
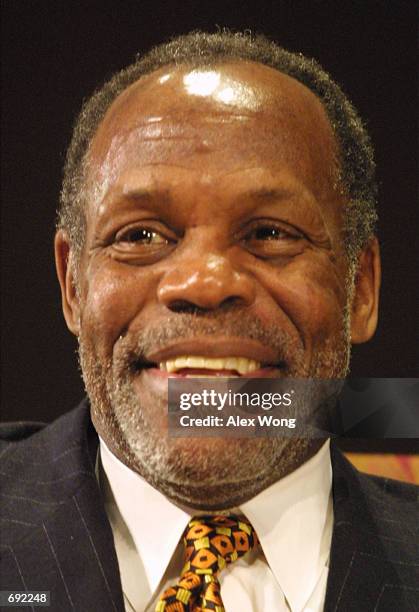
point(144, 80)
point(275, 79)
point(198, 48)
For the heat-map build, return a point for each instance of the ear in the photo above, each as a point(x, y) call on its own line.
point(65, 273)
point(364, 315)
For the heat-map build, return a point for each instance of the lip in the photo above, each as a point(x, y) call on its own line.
point(268, 372)
point(217, 346)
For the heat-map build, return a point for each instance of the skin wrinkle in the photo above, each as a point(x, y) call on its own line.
point(100, 187)
point(291, 295)
point(309, 214)
point(206, 52)
point(189, 475)
point(194, 114)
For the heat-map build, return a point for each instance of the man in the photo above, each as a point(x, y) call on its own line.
point(217, 217)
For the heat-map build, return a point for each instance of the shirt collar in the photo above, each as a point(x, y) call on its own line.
point(293, 519)
point(155, 523)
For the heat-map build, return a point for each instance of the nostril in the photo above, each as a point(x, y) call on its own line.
point(185, 307)
point(232, 300)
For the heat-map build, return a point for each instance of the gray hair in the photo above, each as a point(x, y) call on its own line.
point(199, 49)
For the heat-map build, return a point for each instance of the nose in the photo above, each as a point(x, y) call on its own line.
point(207, 283)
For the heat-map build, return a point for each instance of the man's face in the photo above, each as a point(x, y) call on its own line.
point(214, 234)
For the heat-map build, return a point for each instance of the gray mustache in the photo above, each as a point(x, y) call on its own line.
point(136, 345)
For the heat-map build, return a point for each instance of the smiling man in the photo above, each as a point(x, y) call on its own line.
point(217, 219)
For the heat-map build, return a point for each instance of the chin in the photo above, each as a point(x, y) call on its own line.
point(216, 473)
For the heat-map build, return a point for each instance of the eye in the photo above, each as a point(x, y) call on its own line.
point(269, 239)
point(141, 236)
point(143, 244)
point(268, 232)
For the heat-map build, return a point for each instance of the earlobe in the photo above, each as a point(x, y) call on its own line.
point(65, 273)
point(364, 312)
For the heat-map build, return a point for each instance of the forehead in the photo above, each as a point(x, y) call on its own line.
point(240, 90)
point(215, 119)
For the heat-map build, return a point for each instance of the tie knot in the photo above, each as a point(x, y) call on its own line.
point(212, 542)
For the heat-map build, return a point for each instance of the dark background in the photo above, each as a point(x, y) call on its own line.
point(56, 53)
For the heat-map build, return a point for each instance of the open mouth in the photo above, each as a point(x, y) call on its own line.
point(203, 366)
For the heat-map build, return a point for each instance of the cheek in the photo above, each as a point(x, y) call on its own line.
point(311, 294)
point(113, 297)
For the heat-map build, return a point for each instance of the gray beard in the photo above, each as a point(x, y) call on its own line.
point(204, 473)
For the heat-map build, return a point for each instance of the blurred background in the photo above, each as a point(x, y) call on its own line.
point(55, 54)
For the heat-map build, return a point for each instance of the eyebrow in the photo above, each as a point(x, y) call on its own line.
point(267, 194)
point(145, 194)
point(264, 194)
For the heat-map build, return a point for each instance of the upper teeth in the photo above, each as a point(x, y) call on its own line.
point(242, 365)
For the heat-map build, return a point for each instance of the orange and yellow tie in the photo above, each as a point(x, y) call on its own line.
point(211, 543)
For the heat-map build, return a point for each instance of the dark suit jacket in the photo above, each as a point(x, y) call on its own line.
point(56, 536)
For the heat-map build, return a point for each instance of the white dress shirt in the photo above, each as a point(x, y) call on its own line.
point(293, 519)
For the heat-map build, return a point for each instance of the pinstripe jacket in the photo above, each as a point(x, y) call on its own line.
point(55, 534)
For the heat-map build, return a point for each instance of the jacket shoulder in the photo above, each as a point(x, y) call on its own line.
point(394, 489)
point(393, 504)
point(30, 448)
point(14, 433)
point(375, 504)
point(377, 488)
point(17, 431)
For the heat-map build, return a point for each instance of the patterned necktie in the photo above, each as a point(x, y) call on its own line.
point(211, 543)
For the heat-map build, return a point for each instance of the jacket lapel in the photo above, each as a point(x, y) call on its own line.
point(59, 538)
point(56, 535)
point(368, 565)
